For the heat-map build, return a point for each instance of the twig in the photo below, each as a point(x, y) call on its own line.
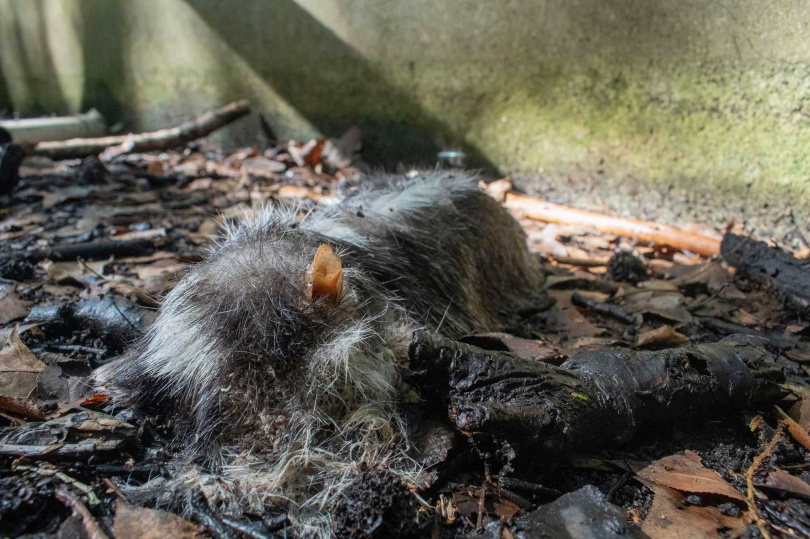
point(749, 480)
point(77, 507)
point(643, 231)
point(206, 518)
point(113, 487)
point(795, 430)
point(158, 140)
point(479, 523)
point(704, 301)
point(605, 309)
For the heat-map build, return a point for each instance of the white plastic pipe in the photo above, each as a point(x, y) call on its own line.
point(52, 128)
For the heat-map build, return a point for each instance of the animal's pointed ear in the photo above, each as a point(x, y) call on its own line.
point(325, 275)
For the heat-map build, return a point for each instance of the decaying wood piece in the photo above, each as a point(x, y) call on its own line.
point(787, 275)
point(595, 398)
point(643, 231)
point(157, 140)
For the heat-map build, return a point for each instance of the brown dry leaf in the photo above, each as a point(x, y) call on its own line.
point(662, 337)
point(799, 354)
point(685, 472)
point(780, 480)
point(670, 518)
point(141, 234)
point(467, 505)
point(263, 167)
point(744, 318)
point(12, 307)
point(533, 350)
point(141, 523)
point(162, 269)
point(19, 371)
point(156, 168)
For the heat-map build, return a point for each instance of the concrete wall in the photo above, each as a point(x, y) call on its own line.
point(684, 92)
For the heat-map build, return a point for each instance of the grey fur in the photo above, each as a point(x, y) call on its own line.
point(279, 394)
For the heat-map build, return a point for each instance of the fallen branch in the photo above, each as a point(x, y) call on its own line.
point(787, 275)
point(164, 139)
point(642, 231)
point(597, 397)
point(97, 250)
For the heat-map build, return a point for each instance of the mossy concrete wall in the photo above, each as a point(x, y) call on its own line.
point(683, 92)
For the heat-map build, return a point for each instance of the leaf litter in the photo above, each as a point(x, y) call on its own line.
point(78, 313)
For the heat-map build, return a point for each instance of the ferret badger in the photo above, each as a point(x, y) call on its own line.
point(280, 356)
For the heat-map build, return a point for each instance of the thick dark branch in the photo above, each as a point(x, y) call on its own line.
point(788, 275)
point(596, 397)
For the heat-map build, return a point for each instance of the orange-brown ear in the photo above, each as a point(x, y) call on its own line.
point(325, 275)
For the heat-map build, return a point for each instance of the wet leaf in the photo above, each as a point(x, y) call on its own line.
point(670, 518)
point(685, 472)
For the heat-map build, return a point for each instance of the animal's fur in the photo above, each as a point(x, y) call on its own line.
point(280, 395)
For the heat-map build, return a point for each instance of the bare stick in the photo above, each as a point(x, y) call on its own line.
point(749, 479)
point(77, 507)
point(157, 140)
point(643, 231)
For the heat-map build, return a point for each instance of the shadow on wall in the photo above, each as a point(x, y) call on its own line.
point(34, 67)
point(328, 82)
point(103, 34)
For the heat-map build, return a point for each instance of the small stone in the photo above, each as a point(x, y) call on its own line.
point(729, 509)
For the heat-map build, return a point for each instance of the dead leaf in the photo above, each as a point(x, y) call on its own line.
point(73, 192)
point(670, 518)
point(19, 370)
point(263, 167)
point(141, 523)
point(533, 350)
point(780, 480)
point(685, 472)
point(800, 411)
point(744, 318)
point(467, 504)
point(156, 168)
point(73, 273)
point(669, 306)
point(12, 307)
point(662, 337)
